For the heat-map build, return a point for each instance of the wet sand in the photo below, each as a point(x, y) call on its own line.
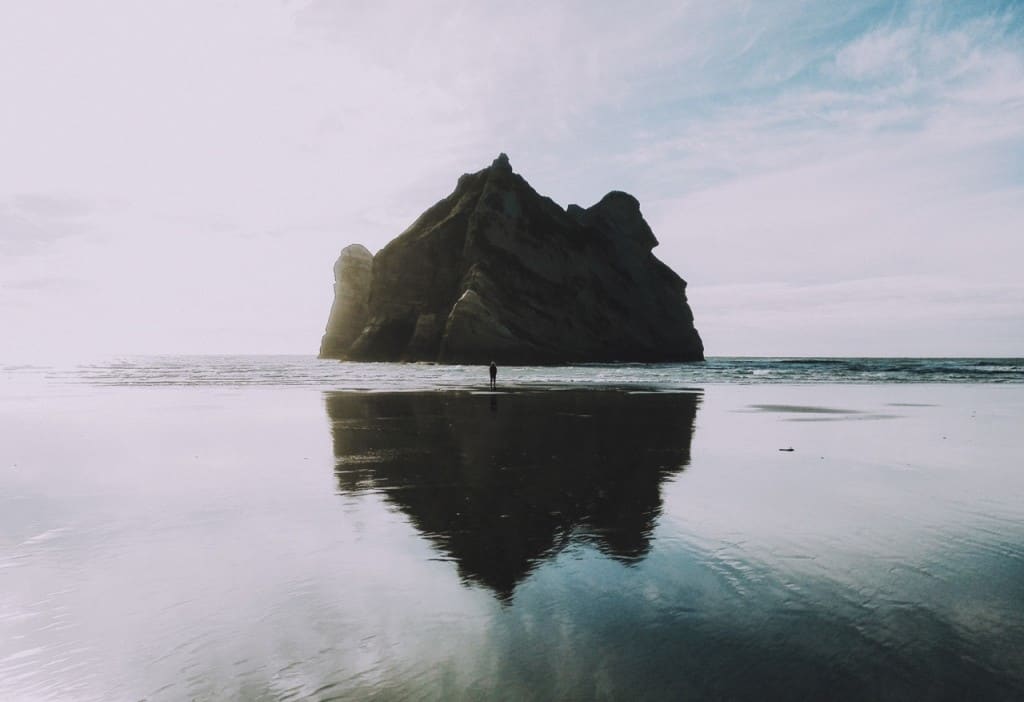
point(280, 543)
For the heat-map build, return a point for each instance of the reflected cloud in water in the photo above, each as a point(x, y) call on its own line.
point(500, 482)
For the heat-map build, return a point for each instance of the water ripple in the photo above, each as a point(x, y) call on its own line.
point(306, 371)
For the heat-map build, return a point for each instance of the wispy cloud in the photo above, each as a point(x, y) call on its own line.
point(897, 315)
point(51, 206)
point(30, 222)
point(962, 85)
point(44, 283)
point(893, 159)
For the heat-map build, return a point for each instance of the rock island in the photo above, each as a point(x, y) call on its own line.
point(496, 271)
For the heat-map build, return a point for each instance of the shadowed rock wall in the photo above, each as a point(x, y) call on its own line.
point(497, 272)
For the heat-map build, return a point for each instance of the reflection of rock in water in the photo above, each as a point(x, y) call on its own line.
point(500, 483)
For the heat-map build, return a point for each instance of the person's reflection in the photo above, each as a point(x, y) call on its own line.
point(499, 492)
point(494, 403)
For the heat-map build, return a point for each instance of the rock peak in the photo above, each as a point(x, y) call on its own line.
point(621, 197)
point(501, 163)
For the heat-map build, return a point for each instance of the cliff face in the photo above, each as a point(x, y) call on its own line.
point(497, 272)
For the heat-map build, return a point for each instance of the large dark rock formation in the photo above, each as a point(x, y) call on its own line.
point(496, 271)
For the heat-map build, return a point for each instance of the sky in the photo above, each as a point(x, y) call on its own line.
point(832, 179)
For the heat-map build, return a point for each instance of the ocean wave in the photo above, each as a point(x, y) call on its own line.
point(306, 371)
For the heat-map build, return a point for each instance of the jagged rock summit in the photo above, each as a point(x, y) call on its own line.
point(496, 271)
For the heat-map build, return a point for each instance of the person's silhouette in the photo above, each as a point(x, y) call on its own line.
point(494, 375)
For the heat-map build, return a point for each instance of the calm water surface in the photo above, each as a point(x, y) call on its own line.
point(311, 372)
point(203, 532)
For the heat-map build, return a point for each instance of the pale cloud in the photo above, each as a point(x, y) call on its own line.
point(935, 205)
point(42, 284)
point(30, 222)
point(881, 54)
point(19, 235)
point(970, 95)
point(905, 175)
point(50, 205)
point(894, 316)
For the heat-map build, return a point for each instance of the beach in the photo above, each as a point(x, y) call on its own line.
point(200, 540)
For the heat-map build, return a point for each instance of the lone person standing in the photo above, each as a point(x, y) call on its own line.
point(494, 375)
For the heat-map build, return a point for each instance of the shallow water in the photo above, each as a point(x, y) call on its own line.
point(306, 371)
point(267, 541)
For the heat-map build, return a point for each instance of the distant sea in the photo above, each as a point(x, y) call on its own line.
point(308, 371)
